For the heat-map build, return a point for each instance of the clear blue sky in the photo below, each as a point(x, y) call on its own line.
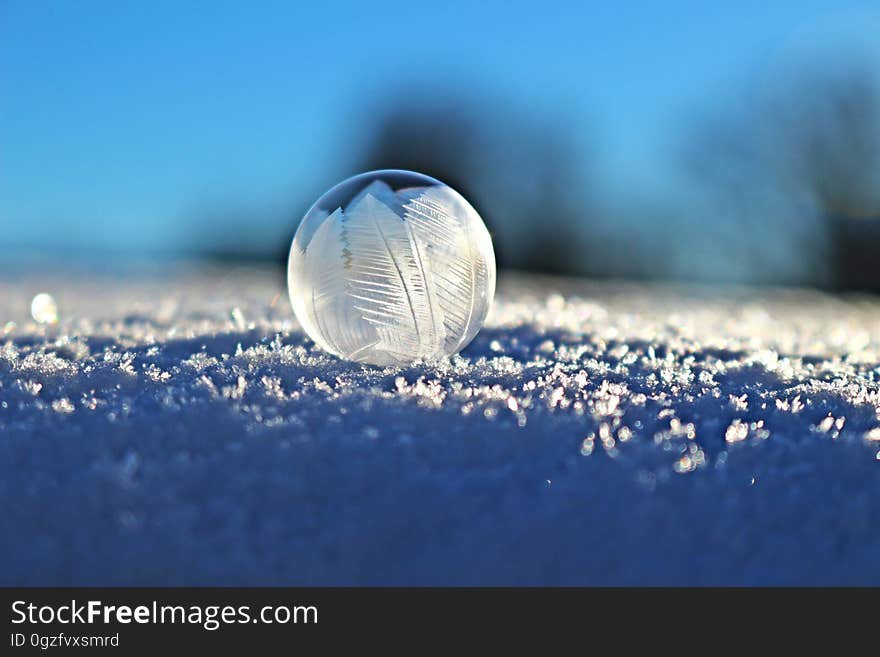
point(120, 121)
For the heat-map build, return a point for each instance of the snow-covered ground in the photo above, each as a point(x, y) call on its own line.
point(180, 429)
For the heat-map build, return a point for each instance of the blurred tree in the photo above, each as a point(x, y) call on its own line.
point(828, 126)
point(742, 224)
point(793, 180)
point(521, 174)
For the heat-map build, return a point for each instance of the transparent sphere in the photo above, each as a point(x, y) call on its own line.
point(391, 266)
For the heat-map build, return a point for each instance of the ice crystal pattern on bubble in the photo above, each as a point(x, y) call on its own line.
point(394, 276)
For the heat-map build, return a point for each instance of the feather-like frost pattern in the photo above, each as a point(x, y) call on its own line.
point(388, 279)
point(458, 274)
point(324, 270)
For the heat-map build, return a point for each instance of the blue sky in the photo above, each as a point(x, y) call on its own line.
point(119, 121)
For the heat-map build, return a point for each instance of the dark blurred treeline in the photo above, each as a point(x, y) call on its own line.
point(783, 188)
point(524, 175)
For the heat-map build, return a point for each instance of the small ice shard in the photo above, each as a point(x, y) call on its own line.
point(238, 319)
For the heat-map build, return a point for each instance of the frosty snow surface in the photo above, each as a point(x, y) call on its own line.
point(184, 430)
point(393, 276)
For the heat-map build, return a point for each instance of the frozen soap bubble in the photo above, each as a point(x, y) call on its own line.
point(391, 266)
